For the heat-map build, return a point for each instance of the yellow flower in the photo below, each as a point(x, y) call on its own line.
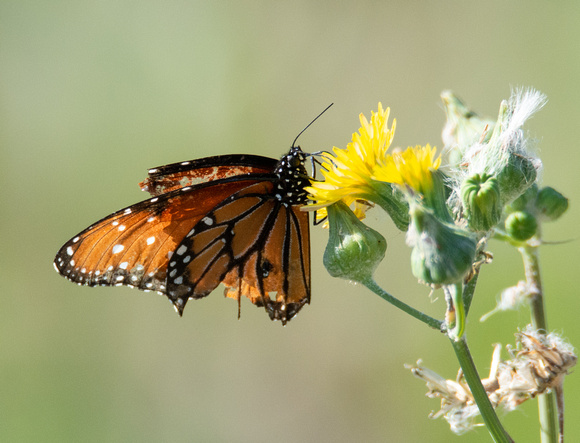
point(348, 172)
point(412, 167)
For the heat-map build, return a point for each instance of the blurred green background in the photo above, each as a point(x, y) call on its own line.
point(92, 93)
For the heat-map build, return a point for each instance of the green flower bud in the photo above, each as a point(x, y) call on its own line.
point(481, 201)
point(521, 225)
point(505, 154)
point(550, 204)
point(517, 175)
point(515, 171)
point(523, 201)
point(442, 252)
point(463, 127)
point(354, 250)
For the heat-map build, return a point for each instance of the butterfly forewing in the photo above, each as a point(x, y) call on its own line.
point(133, 246)
point(178, 175)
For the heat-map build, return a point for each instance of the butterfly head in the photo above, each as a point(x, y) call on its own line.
point(294, 160)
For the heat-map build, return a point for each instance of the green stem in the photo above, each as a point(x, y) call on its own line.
point(546, 408)
point(536, 298)
point(463, 356)
point(455, 315)
point(469, 291)
point(430, 321)
point(494, 426)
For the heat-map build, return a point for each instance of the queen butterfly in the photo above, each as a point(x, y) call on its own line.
point(231, 219)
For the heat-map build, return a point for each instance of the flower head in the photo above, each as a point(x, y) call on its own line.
point(415, 172)
point(413, 168)
point(347, 172)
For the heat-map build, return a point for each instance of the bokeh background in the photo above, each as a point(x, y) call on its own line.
point(94, 93)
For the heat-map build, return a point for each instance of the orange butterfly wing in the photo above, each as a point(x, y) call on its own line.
point(185, 241)
point(132, 246)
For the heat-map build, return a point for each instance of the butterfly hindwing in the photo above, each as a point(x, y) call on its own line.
point(252, 243)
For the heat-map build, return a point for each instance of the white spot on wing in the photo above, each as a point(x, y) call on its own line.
point(150, 240)
point(118, 248)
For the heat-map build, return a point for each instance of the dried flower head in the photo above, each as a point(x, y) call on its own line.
point(538, 365)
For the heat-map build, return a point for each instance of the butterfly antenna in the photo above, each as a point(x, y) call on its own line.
point(310, 124)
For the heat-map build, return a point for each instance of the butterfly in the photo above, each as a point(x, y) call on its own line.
point(231, 219)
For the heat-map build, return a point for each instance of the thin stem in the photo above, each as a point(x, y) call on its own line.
point(472, 378)
point(546, 408)
point(531, 260)
point(469, 291)
point(455, 315)
point(430, 321)
point(494, 426)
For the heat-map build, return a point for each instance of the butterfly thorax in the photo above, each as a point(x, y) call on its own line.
point(292, 178)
